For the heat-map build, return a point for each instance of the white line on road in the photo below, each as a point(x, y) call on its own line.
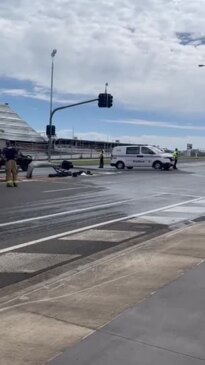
point(67, 212)
point(181, 194)
point(78, 230)
point(198, 175)
point(79, 187)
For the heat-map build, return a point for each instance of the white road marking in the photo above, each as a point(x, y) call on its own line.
point(56, 190)
point(198, 175)
point(78, 230)
point(181, 194)
point(53, 215)
point(159, 219)
point(187, 210)
point(67, 212)
point(103, 235)
point(200, 202)
point(31, 262)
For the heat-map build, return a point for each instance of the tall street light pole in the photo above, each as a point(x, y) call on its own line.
point(51, 105)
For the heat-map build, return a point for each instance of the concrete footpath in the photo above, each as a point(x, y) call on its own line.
point(166, 328)
point(155, 291)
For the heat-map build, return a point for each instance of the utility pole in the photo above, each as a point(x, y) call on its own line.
point(51, 105)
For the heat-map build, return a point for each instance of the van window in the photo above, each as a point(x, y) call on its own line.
point(147, 151)
point(133, 150)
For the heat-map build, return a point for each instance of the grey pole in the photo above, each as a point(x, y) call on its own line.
point(51, 105)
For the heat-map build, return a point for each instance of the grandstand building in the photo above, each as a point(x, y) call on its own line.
point(63, 144)
point(13, 128)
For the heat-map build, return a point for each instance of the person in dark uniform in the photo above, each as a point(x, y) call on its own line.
point(101, 160)
point(10, 154)
point(175, 156)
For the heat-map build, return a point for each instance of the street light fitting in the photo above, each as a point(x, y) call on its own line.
point(201, 65)
point(53, 52)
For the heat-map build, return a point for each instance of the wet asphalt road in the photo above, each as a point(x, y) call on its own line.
point(36, 217)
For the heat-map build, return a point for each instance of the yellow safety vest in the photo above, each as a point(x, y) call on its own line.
point(175, 154)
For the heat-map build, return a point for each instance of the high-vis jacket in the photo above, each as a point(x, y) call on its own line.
point(175, 155)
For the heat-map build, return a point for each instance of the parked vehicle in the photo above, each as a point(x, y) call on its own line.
point(140, 156)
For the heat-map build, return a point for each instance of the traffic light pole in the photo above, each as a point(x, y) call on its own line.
point(51, 105)
point(51, 119)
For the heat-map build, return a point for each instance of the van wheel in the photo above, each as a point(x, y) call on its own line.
point(129, 167)
point(120, 165)
point(157, 165)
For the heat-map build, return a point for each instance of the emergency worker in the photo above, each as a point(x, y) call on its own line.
point(10, 154)
point(101, 165)
point(175, 156)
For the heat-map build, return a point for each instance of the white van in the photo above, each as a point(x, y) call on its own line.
point(140, 156)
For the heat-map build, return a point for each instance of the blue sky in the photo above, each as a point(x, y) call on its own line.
point(148, 53)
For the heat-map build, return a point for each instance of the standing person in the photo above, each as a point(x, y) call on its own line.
point(10, 154)
point(175, 156)
point(101, 160)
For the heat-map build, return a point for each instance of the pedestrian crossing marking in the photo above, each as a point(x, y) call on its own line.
point(31, 262)
point(103, 235)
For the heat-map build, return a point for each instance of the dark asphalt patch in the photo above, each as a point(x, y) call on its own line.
point(8, 278)
point(82, 248)
point(138, 227)
point(199, 219)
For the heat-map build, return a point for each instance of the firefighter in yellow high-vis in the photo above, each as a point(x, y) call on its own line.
point(175, 156)
point(10, 154)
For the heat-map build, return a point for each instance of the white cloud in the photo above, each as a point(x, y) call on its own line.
point(133, 45)
point(163, 141)
point(150, 123)
point(38, 93)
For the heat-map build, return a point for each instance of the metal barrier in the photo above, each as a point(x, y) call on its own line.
point(39, 164)
point(61, 169)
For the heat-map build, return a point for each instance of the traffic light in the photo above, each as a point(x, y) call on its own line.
point(105, 100)
point(102, 100)
point(50, 130)
point(109, 100)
